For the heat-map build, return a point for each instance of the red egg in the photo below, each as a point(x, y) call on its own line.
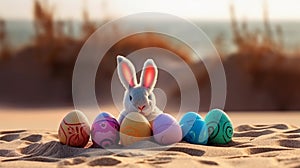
point(74, 129)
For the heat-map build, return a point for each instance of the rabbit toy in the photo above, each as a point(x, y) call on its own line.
point(138, 97)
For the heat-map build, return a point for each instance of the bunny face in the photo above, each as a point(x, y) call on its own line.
point(138, 97)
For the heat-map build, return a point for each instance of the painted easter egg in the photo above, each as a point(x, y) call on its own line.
point(74, 129)
point(135, 127)
point(194, 129)
point(166, 130)
point(219, 126)
point(105, 130)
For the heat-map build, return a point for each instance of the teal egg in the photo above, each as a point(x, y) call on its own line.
point(194, 129)
point(219, 126)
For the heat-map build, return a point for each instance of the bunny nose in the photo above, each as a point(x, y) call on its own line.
point(141, 107)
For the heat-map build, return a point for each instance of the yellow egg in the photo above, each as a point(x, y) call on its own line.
point(135, 127)
point(74, 129)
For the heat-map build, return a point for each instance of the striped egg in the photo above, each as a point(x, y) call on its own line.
point(166, 130)
point(194, 128)
point(134, 128)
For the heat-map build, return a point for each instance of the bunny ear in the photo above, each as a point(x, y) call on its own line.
point(126, 72)
point(149, 74)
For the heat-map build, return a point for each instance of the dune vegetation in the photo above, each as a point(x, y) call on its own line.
point(261, 74)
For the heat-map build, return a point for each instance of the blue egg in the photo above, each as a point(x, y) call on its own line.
point(194, 129)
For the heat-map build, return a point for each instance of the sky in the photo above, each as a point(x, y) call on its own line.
point(190, 9)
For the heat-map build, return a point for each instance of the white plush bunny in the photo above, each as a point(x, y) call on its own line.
point(138, 97)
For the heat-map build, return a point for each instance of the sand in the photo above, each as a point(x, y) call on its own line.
point(268, 144)
point(276, 145)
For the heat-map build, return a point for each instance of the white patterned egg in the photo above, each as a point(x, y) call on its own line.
point(74, 129)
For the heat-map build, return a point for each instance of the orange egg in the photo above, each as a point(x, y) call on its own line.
point(135, 127)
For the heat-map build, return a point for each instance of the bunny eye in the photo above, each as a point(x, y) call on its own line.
point(130, 97)
point(150, 97)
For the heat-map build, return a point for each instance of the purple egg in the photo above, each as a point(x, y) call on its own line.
point(166, 130)
point(105, 130)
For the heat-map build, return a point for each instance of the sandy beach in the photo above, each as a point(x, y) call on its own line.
point(261, 139)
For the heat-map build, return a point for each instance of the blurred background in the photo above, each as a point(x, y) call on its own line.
point(258, 42)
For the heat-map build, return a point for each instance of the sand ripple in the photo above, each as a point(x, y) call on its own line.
point(276, 145)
